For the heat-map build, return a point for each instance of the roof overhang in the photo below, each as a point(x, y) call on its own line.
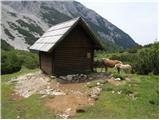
point(50, 39)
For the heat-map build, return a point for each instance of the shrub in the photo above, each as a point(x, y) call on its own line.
point(143, 61)
point(13, 60)
point(28, 59)
point(132, 50)
point(10, 62)
point(147, 60)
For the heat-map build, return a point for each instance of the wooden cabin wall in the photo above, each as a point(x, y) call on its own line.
point(46, 62)
point(71, 53)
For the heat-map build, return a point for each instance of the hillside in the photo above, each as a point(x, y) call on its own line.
point(23, 22)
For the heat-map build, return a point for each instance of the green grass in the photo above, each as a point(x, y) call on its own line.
point(115, 105)
point(31, 107)
point(108, 105)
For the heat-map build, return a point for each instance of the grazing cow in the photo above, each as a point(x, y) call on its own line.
point(109, 63)
point(125, 67)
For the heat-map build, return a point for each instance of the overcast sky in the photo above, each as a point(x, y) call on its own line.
point(138, 18)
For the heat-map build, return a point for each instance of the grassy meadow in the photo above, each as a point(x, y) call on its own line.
point(144, 81)
point(112, 105)
point(109, 105)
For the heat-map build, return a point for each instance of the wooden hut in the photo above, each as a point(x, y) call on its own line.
point(67, 48)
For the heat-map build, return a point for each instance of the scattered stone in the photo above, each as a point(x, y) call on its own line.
point(95, 92)
point(98, 83)
point(43, 96)
point(113, 91)
point(74, 77)
point(88, 83)
point(63, 116)
point(119, 92)
point(18, 116)
point(117, 79)
point(52, 77)
point(62, 77)
point(58, 93)
point(69, 77)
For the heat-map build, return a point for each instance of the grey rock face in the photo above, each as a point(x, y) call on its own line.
point(35, 17)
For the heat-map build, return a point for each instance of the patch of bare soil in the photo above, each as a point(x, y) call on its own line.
point(76, 96)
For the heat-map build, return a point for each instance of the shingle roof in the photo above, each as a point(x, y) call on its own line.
point(56, 33)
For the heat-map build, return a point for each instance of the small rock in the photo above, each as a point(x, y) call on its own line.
point(98, 83)
point(62, 77)
point(58, 93)
point(68, 110)
point(85, 76)
point(53, 77)
point(69, 77)
point(64, 116)
point(95, 92)
point(90, 78)
point(117, 79)
point(43, 96)
point(88, 83)
point(18, 116)
point(113, 91)
point(95, 97)
point(119, 92)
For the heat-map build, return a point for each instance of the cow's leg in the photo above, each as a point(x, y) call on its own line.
point(101, 68)
point(118, 70)
point(101, 65)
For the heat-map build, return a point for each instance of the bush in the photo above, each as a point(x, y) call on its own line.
point(13, 60)
point(132, 50)
point(143, 61)
point(147, 60)
point(10, 62)
point(28, 59)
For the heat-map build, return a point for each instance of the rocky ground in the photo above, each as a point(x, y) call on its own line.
point(66, 95)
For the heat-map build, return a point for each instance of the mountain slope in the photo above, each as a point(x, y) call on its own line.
point(23, 22)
